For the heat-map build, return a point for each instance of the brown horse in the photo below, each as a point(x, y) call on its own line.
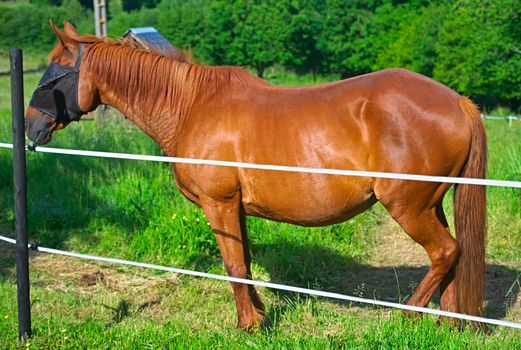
point(393, 120)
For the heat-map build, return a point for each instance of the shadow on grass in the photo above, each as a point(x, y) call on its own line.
point(316, 267)
point(63, 200)
point(320, 268)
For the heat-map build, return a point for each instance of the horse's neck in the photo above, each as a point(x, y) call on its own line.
point(161, 118)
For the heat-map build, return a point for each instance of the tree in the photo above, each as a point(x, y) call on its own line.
point(46, 2)
point(350, 36)
point(122, 21)
point(221, 31)
point(133, 5)
point(114, 8)
point(304, 41)
point(24, 26)
point(81, 17)
point(248, 33)
point(184, 24)
point(262, 34)
point(478, 51)
point(412, 44)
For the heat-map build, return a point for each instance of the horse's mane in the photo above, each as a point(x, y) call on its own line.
point(153, 80)
point(178, 55)
point(157, 87)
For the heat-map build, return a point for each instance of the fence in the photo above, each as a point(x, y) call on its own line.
point(22, 244)
point(510, 118)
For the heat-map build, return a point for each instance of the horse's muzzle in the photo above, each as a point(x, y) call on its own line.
point(39, 127)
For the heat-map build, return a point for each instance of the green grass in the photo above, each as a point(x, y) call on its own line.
point(31, 61)
point(279, 76)
point(132, 210)
point(115, 321)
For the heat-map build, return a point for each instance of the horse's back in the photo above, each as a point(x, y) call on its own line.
point(391, 120)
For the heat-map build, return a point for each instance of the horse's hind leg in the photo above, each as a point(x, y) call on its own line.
point(448, 296)
point(425, 227)
point(225, 219)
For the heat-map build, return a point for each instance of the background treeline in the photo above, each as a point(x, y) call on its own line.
point(473, 46)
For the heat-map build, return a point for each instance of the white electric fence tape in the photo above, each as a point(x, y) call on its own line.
point(279, 287)
point(383, 175)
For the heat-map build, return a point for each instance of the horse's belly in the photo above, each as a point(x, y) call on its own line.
point(315, 200)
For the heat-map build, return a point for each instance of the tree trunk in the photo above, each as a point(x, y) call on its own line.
point(260, 71)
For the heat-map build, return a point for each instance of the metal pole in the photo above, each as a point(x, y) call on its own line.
point(20, 198)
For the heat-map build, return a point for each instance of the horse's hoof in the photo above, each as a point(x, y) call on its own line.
point(254, 323)
point(249, 327)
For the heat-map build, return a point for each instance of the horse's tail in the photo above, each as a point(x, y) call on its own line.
point(470, 219)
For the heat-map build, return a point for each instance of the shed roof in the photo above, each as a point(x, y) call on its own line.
point(150, 38)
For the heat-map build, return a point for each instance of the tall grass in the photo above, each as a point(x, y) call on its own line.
point(504, 204)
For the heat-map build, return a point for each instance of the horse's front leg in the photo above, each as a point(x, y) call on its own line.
point(225, 218)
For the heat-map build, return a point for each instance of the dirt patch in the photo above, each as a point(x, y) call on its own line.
point(396, 251)
point(113, 292)
point(396, 248)
point(86, 277)
point(91, 279)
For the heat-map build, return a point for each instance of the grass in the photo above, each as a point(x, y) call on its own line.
point(172, 318)
point(31, 61)
point(279, 76)
point(131, 210)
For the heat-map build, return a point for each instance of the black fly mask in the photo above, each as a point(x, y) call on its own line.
point(57, 91)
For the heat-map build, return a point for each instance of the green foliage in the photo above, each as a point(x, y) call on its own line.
point(122, 21)
point(47, 2)
point(27, 25)
point(35, 30)
point(413, 45)
point(473, 46)
point(260, 33)
point(350, 49)
point(249, 33)
point(133, 5)
point(114, 8)
point(80, 17)
point(184, 23)
point(479, 50)
point(304, 42)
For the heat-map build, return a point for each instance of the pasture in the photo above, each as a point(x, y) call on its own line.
point(132, 210)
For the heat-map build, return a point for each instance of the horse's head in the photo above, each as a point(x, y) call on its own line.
point(65, 91)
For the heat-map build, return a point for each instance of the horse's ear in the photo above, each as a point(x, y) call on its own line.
point(65, 39)
point(69, 29)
